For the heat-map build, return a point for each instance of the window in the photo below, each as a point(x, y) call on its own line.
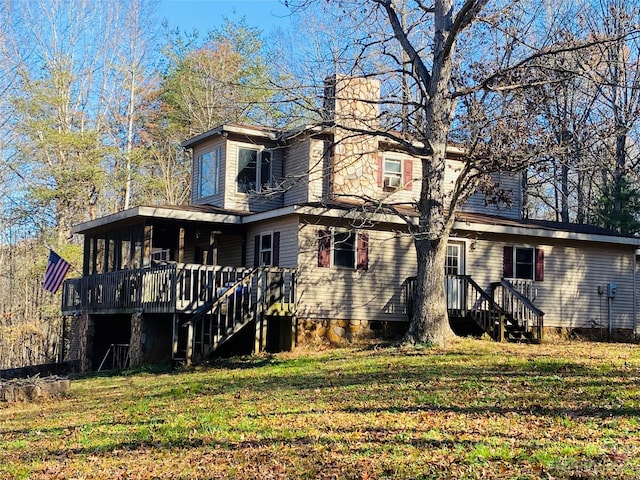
point(526, 263)
point(345, 249)
point(395, 173)
point(392, 176)
point(209, 164)
point(266, 250)
point(452, 261)
point(254, 170)
point(160, 254)
point(266, 246)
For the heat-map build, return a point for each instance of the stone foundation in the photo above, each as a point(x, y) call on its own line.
point(621, 335)
point(137, 340)
point(344, 332)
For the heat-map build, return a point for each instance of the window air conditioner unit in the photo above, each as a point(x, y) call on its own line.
point(392, 181)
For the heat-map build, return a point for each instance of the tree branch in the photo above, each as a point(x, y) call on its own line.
point(401, 35)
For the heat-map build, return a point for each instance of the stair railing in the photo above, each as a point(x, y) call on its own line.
point(521, 309)
point(232, 306)
point(465, 296)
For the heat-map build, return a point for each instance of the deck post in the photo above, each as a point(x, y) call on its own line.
point(259, 317)
point(174, 343)
point(189, 355)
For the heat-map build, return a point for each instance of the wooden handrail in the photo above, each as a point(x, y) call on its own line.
point(516, 293)
point(493, 316)
point(520, 308)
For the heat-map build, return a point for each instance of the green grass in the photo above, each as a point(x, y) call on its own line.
point(473, 410)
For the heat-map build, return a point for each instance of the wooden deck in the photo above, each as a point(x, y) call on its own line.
point(162, 288)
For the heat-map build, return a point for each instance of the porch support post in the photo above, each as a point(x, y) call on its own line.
point(146, 248)
point(213, 249)
point(180, 258)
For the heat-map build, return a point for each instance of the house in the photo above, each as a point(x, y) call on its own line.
point(284, 238)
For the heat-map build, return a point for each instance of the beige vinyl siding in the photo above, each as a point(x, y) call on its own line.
point(229, 247)
point(288, 228)
point(477, 202)
point(248, 202)
point(318, 170)
point(296, 169)
point(569, 293)
point(340, 293)
point(230, 250)
point(208, 146)
point(637, 290)
point(305, 171)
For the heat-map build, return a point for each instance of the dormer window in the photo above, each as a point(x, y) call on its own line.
point(254, 170)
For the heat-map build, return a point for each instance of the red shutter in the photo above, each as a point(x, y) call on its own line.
point(507, 262)
point(256, 251)
point(324, 248)
point(362, 252)
point(539, 274)
point(276, 249)
point(380, 170)
point(408, 174)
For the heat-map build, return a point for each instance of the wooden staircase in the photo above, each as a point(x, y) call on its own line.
point(505, 314)
point(238, 304)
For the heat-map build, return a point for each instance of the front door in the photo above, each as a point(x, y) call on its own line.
point(454, 266)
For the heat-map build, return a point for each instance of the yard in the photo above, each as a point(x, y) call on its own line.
point(475, 409)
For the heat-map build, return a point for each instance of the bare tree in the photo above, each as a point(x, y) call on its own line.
point(453, 70)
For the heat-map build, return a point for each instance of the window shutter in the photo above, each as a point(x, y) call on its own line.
point(256, 251)
point(362, 252)
point(276, 249)
point(539, 272)
point(324, 248)
point(507, 262)
point(380, 170)
point(408, 174)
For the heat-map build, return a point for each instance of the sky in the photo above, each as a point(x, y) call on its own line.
point(203, 15)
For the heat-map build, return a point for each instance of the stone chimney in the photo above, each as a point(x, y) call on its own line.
point(352, 106)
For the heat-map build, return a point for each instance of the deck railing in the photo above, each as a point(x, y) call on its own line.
point(162, 288)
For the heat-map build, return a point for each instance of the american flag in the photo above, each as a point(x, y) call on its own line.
point(57, 268)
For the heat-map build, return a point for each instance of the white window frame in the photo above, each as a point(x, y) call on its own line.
point(212, 179)
point(160, 254)
point(392, 180)
point(460, 246)
point(262, 251)
point(260, 152)
point(354, 248)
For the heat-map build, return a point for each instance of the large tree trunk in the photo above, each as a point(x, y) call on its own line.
point(430, 323)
